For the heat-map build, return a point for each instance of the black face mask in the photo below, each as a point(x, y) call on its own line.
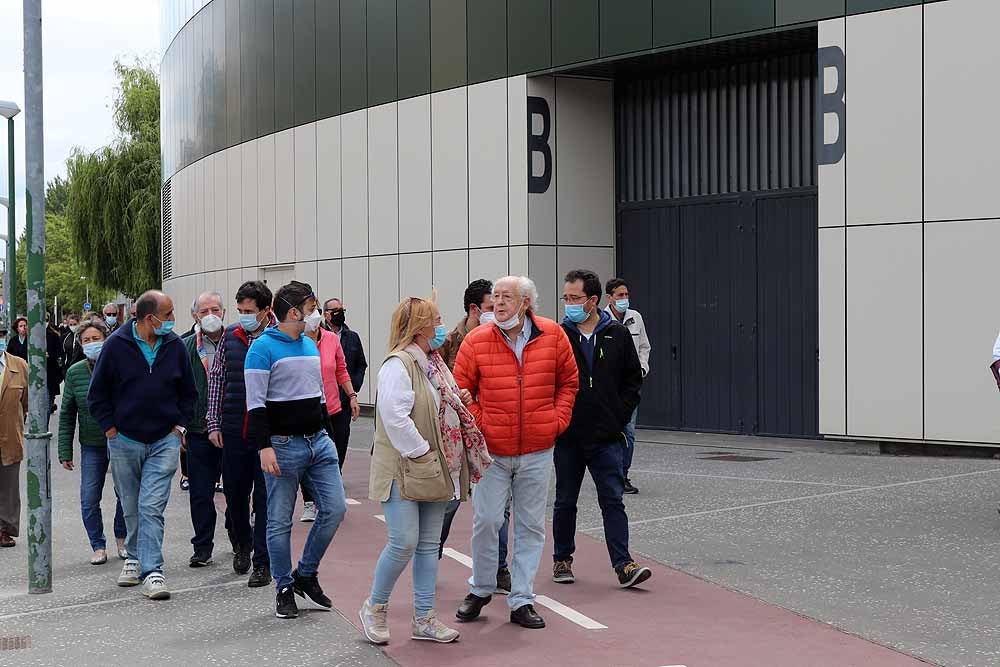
point(338, 319)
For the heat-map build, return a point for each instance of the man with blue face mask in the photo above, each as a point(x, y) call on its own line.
point(620, 308)
point(242, 477)
point(143, 396)
point(610, 379)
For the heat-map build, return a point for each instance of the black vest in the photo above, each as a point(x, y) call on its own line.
point(233, 414)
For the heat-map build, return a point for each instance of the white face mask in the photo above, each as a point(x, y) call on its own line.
point(509, 324)
point(73, 328)
point(211, 323)
point(313, 320)
point(487, 316)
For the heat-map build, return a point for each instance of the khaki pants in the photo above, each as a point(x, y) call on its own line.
point(10, 498)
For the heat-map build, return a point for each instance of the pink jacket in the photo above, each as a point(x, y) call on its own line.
point(333, 367)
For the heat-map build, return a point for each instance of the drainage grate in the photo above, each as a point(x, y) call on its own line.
point(737, 458)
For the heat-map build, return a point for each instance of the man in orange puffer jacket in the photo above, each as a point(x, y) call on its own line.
point(523, 377)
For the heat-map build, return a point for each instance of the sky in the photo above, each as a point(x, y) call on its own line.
point(80, 40)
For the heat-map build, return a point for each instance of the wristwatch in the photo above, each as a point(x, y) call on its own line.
point(182, 430)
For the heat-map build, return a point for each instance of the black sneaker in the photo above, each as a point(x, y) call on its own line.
point(562, 572)
point(632, 574)
point(503, 581)
point(629, 489)
point(527, 617)
point(241, 560)
point(471, 606)
point(200, 560)
point(261, 576)
point(284, 604)
point(310, 586)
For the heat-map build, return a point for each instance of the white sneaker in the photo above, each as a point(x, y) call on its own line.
point(374, 622)
point(308, 512)
point(130, 573)
point(155, 588)
point(431, 629)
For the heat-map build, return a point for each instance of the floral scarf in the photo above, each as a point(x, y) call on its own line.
point(458, 427)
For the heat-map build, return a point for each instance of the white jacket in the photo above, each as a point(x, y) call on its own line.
point(633, 322)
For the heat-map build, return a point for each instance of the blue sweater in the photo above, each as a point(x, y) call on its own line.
point(143, 402)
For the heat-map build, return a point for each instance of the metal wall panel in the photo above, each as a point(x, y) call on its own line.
point(167, 232)
point(726, 129)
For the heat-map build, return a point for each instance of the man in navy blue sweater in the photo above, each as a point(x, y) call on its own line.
point(143, 394)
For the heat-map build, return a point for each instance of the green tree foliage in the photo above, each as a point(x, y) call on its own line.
point(114, 193)
point(63, 270)
point(57, 196)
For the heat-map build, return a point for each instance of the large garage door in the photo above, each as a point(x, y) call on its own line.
point(727, 287)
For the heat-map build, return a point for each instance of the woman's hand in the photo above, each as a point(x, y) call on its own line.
point(465, 395)
point(355, 408)
point(68, 465)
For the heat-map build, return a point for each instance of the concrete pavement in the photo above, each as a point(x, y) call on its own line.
point(900, 551)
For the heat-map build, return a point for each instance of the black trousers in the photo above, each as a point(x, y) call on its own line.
point(243, 482)
point(204, 463)
point(340, 436)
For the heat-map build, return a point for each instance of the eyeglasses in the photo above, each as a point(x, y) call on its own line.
point(570, 298)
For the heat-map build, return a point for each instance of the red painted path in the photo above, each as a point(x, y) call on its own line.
point(675, 619)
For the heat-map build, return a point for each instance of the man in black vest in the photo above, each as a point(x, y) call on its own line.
point(242, 476)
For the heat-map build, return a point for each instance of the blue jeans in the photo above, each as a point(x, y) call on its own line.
point(629, 443)
point(525, 480)
point(204, 461)
point(94, 463)
point(414, 530)
point(310, 460)
point(604, 461)
point(142, 474)
point(449, 517)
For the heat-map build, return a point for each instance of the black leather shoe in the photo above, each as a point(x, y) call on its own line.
point(260, 576)
point(200, 559)
point(526, 617)
point(471, 606)
point(241, 560)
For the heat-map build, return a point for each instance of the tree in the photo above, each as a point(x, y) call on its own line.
point(56, 196)
point(114, 193)
point(63, 270)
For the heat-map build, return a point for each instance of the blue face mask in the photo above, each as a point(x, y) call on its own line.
point(440, 333)
point(249, 322)
point(575, 313)
point(92, 350)
point(621, 305)
point(3, 345)
point(111, 320)
point(166, 326)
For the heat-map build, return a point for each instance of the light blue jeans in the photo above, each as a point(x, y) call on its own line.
point(143, 475)
point(309, 460)
point(525, 479)
point(414, 533)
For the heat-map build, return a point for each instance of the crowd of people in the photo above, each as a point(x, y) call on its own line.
point(484, 412)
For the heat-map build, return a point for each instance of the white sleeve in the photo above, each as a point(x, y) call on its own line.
point(394, 404)
point(996, 349)
point(643, 347)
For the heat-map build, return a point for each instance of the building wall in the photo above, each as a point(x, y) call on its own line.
point(388, 202)
point(909, 226)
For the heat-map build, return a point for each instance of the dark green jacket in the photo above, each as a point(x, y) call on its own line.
point(74, 407)
point(198, 422)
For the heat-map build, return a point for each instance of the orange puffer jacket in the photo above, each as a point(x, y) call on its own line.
point(519, 408)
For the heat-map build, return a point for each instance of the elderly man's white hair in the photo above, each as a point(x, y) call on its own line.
point(524, 285)
point(194, 304)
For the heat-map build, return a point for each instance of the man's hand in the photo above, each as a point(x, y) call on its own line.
point(68, 465)
point(180, 434)
point(111, 433)
point(355, 409)
point(215, 437)
point(269, 462)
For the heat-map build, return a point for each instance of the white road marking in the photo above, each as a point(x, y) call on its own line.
point(568, 613)
point(352, 501)
point(784, 501)
point(380, 517)
point(748, 479)
point(119, 600)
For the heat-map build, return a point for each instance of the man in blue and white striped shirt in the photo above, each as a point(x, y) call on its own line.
point(289, 423)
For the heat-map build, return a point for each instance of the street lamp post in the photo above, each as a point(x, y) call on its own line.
point(8, 110)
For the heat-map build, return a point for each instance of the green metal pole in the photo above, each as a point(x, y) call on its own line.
point(11, 219)
point(36, 441)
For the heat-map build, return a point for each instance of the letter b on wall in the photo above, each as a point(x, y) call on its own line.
point(539, 143)
point(827, 58)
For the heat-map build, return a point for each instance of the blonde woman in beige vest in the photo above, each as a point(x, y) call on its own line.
point(427, 449)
